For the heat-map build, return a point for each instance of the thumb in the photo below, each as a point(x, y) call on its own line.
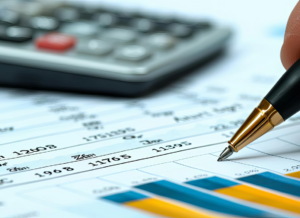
point(290, 51)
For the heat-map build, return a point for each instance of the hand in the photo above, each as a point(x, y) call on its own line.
point(290, 51)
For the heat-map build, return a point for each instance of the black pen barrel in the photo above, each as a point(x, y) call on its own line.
point(285, 94)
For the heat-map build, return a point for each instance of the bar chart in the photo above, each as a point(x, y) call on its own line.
point(246, 192)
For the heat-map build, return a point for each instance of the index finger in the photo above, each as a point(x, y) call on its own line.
point(290, 51)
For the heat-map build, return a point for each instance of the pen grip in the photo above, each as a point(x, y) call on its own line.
point(285, 94)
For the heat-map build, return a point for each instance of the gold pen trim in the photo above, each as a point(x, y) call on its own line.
point(263, 119)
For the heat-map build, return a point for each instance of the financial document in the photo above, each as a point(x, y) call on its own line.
point(71, 155)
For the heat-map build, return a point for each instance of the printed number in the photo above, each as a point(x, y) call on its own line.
point(168, 147)
point(108, 134)
point(109, 160)
point(292, 168)
point(150, 142)
point(38, 149)
point(49, 173)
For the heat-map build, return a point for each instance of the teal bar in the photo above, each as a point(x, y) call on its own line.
point(275, 182)
point(212, 183)
point(125, 197)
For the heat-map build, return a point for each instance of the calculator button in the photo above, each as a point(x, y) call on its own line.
point(66, 14)
point(106, 19)
point(95, 47)
point(56, 42)
point(80, 29)
point(44, 23)
point(118, 34)
point(15, 34)
point(31, 8)
point(133, 53)
point(9, 17)
point(161, 40)
point(180, 30)
point(143, 25)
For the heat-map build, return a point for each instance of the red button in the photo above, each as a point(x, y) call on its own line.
point(55, 41)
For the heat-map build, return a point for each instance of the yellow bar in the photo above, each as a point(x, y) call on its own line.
point(295, 174)
point(255, 195)
point(166, 209)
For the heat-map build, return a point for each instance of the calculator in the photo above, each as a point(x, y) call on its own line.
point(55, 45)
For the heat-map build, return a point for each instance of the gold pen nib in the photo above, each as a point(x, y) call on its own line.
point(263, 119)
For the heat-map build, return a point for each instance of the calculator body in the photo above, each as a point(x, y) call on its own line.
point(100, 50)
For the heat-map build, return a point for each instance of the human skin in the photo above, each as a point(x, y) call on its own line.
point(290, 51)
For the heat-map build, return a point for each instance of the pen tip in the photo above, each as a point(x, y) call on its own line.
point(225, 154)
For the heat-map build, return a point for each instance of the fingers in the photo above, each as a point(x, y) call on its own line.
point(290, 51)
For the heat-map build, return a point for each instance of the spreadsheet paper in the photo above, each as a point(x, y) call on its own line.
point(71, 155)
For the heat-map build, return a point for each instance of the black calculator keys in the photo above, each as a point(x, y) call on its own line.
point(15, 34)
point(44, 23)
point(133, 53)
point(9, 17)
point(95, 47)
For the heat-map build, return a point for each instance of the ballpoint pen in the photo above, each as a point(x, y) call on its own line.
point(279, 104)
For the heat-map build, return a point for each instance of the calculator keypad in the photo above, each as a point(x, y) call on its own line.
point(117, 37)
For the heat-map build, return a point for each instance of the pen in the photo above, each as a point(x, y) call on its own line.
point(282, 101)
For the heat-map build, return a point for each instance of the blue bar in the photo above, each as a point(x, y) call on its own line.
point(275, 182)
point(125, 197)
point(202, 199)
point(212, 183)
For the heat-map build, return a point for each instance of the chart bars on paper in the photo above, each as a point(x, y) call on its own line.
point(274, 181)
point(155, 205)
point(202, 199)
point(246, 192)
